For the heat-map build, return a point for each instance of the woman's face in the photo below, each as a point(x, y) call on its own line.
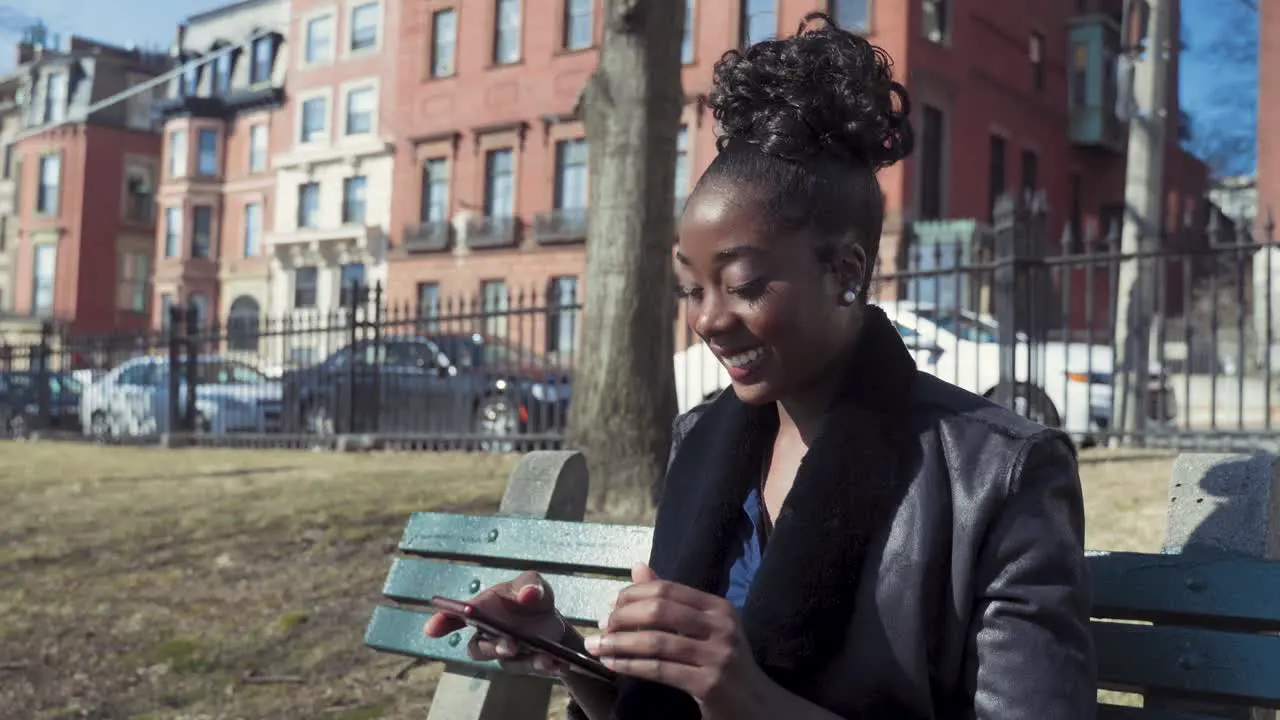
point(763, 303)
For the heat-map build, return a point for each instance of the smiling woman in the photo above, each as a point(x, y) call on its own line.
point(841, 535)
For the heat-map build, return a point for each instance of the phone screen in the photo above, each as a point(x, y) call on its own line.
point(493, 627)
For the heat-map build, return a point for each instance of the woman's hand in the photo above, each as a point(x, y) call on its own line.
point(672, 634)
point(525, 603)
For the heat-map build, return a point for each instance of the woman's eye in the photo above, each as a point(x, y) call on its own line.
point(688, 293)
point(750, 290)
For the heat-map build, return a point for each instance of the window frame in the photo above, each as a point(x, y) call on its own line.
point(496, 57)
point(348, 44)
point(437, 55)
point(300, 302)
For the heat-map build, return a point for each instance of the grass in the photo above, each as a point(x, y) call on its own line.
point(141, 583)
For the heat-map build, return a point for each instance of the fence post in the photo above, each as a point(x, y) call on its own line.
point(192, 346)
point(43, 399)
point(1005, 228)
point(174, 333)
point(353, 336)
point(377, 345)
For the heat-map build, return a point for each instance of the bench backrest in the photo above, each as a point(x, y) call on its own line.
point(1210, 607)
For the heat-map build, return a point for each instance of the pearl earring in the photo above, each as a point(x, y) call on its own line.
point(849, 297)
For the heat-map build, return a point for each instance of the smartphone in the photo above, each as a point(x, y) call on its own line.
point(495, 629)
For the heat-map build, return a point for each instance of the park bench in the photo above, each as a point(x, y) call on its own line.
point(1189, 629)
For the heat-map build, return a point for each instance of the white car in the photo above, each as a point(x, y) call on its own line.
point(133, 399)
point(1070, 385)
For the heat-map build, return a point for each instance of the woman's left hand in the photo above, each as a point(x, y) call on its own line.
point(672, 634)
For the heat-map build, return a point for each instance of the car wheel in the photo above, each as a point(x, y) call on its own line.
point(99, 427)
point(497, 423)
point(316, 420)
point(1030, 402)
point(18, 426)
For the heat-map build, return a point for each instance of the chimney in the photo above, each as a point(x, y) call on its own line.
point(179, 40)
point(26, 53)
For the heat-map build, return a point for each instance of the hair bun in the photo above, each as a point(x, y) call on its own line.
point(823, 91)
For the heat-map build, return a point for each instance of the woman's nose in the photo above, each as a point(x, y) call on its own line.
point(713, 316)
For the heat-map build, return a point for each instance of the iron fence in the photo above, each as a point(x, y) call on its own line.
point(995, 309)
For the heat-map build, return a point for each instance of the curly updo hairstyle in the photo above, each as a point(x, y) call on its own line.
point(805, 124)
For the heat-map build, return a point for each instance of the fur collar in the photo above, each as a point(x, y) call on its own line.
point(801, 599)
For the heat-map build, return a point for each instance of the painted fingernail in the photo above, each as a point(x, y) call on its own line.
point(541, 664)
point(603, 624)
point(608, 662)
point(506, 648)
point(591, 643)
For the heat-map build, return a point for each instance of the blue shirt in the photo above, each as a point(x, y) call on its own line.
point(745, 555)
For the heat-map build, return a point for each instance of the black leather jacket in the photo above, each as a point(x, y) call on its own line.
point(928, 562)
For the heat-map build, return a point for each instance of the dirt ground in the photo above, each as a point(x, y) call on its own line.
point(149, 584)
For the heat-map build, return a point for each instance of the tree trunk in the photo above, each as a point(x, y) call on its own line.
point(624, 386)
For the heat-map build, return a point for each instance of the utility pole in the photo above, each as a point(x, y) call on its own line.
point(1149, 45)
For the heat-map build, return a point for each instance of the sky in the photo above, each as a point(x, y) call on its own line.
point(153, 22)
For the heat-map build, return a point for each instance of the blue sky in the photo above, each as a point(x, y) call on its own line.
point(154, 21)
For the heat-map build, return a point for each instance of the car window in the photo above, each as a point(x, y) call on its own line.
point(142, 374)
point(15, 382)
point(906, 332)
point(223, 372)
point(420, 355)
point(59, 384)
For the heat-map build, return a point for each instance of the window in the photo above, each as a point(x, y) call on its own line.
point(313, 118)
point(50, 179)
point(935, 20)
point(686, 40)
point(258, 148)
point(759, 21)
point(506, 34)
point(135, 269)
point(178, 153)
point(850, 14)
point(191, 76)
point(304, 287)
point(1080, 75)
point(172, 232)
point(682, 162)
point(444, 42)
point(931, 158)
point(139, 187)
point(207, 153)
point(998, 180)
point(364, 27)
point(260, 68)
point(242, 325)
point(55, 97)
point(166, 319)
point(429, 306)
point(360, 111)
point(352, 288)
point(201, 231)
point(199, 304)
point(435, 190)
point(499, 184)
point(308, 204)
point(571, 175)
point(1075, 233)
point(222, 72)
point(578, 26)
point(319, 47)
point(353, 199)
point(493, 299)
point(44, 268)
point(562, 311)
point(1030, 171)
point(1036, 53)
point(252, 229)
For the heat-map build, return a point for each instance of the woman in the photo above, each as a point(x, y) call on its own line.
point(840, 536)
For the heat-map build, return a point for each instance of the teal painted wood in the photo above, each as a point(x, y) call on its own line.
point(1207, 590)
point(399, 631)
point(582, 600)
point(527, 543)
point(1117, 712)
point(1200, 664)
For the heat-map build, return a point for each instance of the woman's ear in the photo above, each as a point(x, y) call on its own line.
point(851, 267)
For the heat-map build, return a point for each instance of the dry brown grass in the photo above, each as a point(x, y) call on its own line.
point(140, 583)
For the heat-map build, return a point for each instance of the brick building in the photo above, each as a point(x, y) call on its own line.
point(333, 160)
point(217, 192)
point(85, 188)
point(10, 126)
point(491, 166)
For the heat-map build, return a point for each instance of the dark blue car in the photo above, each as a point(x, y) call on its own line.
point(20, 403)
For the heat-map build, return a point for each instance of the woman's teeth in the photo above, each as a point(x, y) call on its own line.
point(743, 359)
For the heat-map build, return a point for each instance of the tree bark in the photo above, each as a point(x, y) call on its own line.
point(624, 386)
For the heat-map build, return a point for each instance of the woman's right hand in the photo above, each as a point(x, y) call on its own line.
point(525, 602)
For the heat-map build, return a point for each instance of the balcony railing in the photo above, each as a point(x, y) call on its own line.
point(436, 236)
point(559, 227)
point(492, 232)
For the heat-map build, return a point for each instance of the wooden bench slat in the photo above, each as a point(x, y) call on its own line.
point(543, 544)
point(582, 600)
point(399, 631)
point(1120, 712)
point(1215, 590)
point(1200, 664)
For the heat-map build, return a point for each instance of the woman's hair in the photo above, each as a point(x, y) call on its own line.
point(805, 124)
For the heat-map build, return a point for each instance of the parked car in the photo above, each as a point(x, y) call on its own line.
point(1072, 388)
point(446, 384)
point(132, 400)
point(20, 403)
